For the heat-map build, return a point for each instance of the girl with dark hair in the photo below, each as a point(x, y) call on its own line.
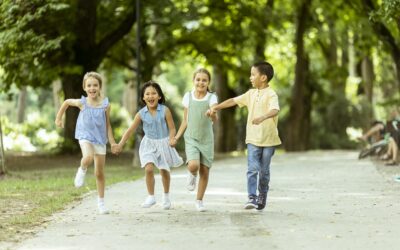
point(157, 146)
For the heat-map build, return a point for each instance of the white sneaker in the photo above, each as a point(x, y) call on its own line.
point(166, 203)
point(191, 181)
point(102, 209)
point(150, 201)
point(80, 177)
point(199, 206)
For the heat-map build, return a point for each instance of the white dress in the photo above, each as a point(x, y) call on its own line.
point(158, 152)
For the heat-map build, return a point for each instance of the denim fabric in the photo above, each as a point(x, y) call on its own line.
point(154, 127)
point(258, 160)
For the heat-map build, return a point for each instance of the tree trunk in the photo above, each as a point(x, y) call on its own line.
point(87, 56)
point(72, 88)
point(386, 36)
point(367, 74)
point(56, 87)
point(225, 131)
point(2, 155)
point(129, 98)
point(298, 126)
point(21, 104)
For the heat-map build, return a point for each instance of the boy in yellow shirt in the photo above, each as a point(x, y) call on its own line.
point(261, 131)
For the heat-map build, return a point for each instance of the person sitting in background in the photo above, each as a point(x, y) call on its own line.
point(375, 133)
point(393, 129)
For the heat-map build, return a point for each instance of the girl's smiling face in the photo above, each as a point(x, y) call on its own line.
point(92, 88)
point(151, 97)
point(201, 82)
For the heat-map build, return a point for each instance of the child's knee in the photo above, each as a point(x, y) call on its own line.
point(149, 170)
point(164, 172)
point(87, 160)
point(99, 174)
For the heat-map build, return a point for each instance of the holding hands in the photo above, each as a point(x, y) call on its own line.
point(116, 148)
point(211, 112)
point(173, 141)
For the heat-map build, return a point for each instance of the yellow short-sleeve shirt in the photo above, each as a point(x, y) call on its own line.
point(258, 103)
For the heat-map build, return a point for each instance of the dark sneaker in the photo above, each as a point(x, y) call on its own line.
point(252, 203)
point(261, 201)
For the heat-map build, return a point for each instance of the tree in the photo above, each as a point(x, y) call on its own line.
point(299, 121)
point(46, 47)
point(385, 22)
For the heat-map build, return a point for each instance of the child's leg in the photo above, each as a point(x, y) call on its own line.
point(87, 159)
point(264, 177)
point(150, 182)
point(166, 180)
point(87, 154)
point(203, 182)
point(193, 167)
point(253, 167)
point(99, 162)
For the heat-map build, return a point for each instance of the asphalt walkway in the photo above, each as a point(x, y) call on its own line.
point(317, 200)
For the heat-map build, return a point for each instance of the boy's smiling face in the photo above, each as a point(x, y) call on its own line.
point(257, 80)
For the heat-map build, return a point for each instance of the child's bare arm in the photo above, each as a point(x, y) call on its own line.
point(183, 126)
point(212, 115)
point(63, 108)
point(130, 130)
point(110, 134)
point(225, 104)
point(171, 127)
point(270, 114)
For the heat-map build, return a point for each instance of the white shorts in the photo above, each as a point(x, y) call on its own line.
point(89, 148)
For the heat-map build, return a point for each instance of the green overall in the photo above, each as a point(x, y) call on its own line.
point(199, 135)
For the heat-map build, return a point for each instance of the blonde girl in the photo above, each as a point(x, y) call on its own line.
point(92, 130)
point(199, 137)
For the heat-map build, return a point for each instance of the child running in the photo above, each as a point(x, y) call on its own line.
point(261, 131)
point(92, 129)
point(199, 136)
point(157, 146)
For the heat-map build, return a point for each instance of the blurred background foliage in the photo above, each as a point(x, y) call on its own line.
point(337, 64)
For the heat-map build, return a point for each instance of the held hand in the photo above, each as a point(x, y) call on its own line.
point(116, 149)
point(212, 111)
point(173, 141)
point(257, 120)
point(59, 123)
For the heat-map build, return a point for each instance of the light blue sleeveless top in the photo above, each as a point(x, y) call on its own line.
point(154, 127)
point(91, 123)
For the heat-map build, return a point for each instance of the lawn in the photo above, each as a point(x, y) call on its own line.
point(37, 186)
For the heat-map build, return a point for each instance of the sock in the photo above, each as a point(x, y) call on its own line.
point(166, 196)
point(83, 168)
point(100, 200)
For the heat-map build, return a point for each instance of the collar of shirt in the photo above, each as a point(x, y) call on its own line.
point(146, 109)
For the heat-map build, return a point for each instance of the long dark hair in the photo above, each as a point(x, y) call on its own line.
point(154, 85)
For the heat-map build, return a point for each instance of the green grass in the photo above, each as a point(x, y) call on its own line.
point(28, 195)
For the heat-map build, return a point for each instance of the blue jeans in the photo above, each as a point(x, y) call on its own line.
point(258, 160)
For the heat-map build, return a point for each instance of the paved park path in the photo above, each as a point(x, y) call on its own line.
point(317, 200)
